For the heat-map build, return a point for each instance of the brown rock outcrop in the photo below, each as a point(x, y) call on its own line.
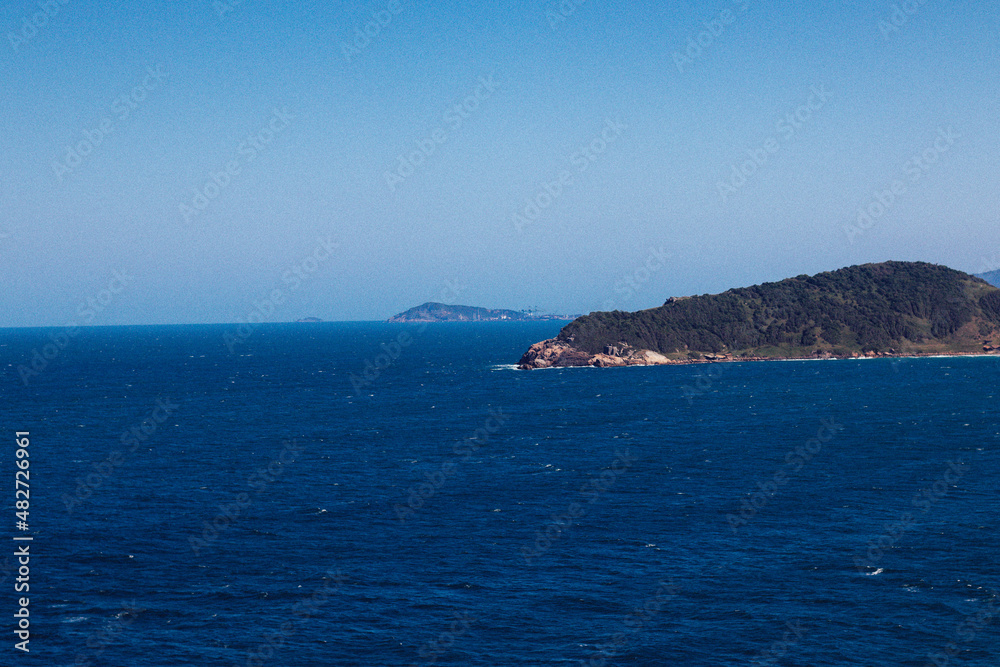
point(555, 352)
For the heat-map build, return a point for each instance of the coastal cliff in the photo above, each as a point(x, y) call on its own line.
point(885, 309)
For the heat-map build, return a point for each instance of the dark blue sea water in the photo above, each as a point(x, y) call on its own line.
point(269, 504)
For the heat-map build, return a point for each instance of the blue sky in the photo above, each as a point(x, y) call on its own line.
point(601, 155)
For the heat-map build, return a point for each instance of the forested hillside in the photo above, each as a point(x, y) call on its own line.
point(892, 306)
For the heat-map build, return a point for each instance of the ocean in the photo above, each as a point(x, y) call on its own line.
point(400, 494)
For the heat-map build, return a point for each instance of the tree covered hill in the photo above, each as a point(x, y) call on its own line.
point(898, 307)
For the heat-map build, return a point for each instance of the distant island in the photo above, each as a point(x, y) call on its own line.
point(885, 309)
point(992, 277)
point(309, 319)
point(441, 312)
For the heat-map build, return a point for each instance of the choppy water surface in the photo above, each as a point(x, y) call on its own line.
point(336, 494)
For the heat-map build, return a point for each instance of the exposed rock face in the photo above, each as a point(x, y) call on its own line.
point(555, 352)
point(558, 353)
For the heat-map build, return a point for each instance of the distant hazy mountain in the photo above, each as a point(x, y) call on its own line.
point(441, 312)
point(892, 308)
point(993, 277)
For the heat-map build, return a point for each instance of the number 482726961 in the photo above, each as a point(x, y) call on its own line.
point(21, 479)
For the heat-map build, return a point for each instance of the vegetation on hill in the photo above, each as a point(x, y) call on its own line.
point(901, 307)
point(442, 312)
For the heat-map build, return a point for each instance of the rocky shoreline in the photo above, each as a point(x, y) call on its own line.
point(555, 353)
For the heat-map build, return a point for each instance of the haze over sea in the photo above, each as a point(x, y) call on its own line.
point(452, 510)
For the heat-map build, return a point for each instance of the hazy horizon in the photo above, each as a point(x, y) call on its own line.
point(267, 315)
point(191, 160)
